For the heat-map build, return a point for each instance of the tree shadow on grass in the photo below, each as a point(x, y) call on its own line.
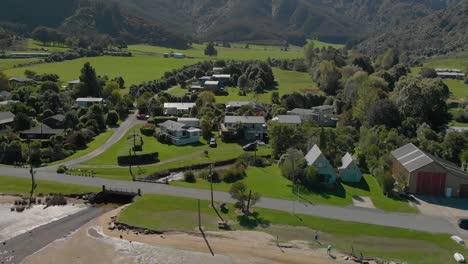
point(253, 221)
point(363, 185)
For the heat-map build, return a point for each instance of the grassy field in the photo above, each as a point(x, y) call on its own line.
point(288, 82)
point(270, 183)
point(320, 44)
point(170, 156)
point(134, 70)
point(13, 185)
point(458, 89)
point(236, 52)
point(96, 143)
point(6, 64)
point(34, 45)
point(173, 213)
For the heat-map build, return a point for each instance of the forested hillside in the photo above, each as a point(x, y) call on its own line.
point(295, 20)
point(85, 20)
point(439, 33)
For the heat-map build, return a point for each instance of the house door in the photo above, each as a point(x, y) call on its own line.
point(430, 183)
point(463, 190)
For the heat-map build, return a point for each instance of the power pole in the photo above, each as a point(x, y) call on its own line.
point(31, 171)
point(211, 185)
point(199, 216)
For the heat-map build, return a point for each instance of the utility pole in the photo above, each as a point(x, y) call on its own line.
point(31, 171)
point(211, 185)
point(199, 216)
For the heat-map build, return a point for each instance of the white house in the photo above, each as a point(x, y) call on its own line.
point(88, 101)
point(349, 170)
point(180, 134)
point(176, 109)
point(316, 158)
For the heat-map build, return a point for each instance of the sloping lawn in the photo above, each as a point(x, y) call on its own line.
point(93, 145)
point(173, 213)
point(13, 185)
point(270, 183)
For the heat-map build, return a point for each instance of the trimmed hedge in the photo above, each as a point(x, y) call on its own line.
point(161, 119)
point(138, 159)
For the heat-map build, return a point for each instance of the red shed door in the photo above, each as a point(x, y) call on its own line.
point(430, 183)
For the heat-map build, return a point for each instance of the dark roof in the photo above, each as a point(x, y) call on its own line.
point(6, 117)
point(58, 117)
point(412, 158)
point(245, 119)
point(20, 79)
point(42, 130)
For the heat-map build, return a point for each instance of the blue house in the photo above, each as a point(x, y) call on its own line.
point(349, 170)
point(316, 158)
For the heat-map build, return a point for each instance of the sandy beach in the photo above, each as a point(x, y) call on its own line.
point(94, 243)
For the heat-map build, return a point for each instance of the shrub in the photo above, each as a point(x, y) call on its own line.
point(61, 169)
point(148, 130)
point(112, 118)
point(234, 174)
point(189, 176)
point(57, 199)
point(138, 159)
point(161, 119)
point(261, 162)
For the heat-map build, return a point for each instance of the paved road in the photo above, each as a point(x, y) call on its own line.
point(130, 122)
point(371, 216)
point(19, 247)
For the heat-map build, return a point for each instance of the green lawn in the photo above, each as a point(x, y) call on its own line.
point(96, 143)
point(455, 60)
point(13, 185)
point(237, 52)
point(170, 156)
point(134, 70)
point(174, 213)
point(6, 64)
point(320, 44)
point(288, 82)
point(270, 183)
point(458, 89)
point(38, 46)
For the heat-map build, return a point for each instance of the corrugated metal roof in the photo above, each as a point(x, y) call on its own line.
point(288, 119)
point(89, 99)
point(179, 105)
point(411, 157)
point(245, 119)
point(313, 154)
point(174, 126)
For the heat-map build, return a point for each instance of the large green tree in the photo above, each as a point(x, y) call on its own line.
point(328, 76)
point(210, 49)
point(89, 83)
point(423, 99)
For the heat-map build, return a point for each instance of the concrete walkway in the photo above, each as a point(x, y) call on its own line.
point(362, 215)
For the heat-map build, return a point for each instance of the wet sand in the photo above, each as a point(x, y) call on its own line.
point(94, 243)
